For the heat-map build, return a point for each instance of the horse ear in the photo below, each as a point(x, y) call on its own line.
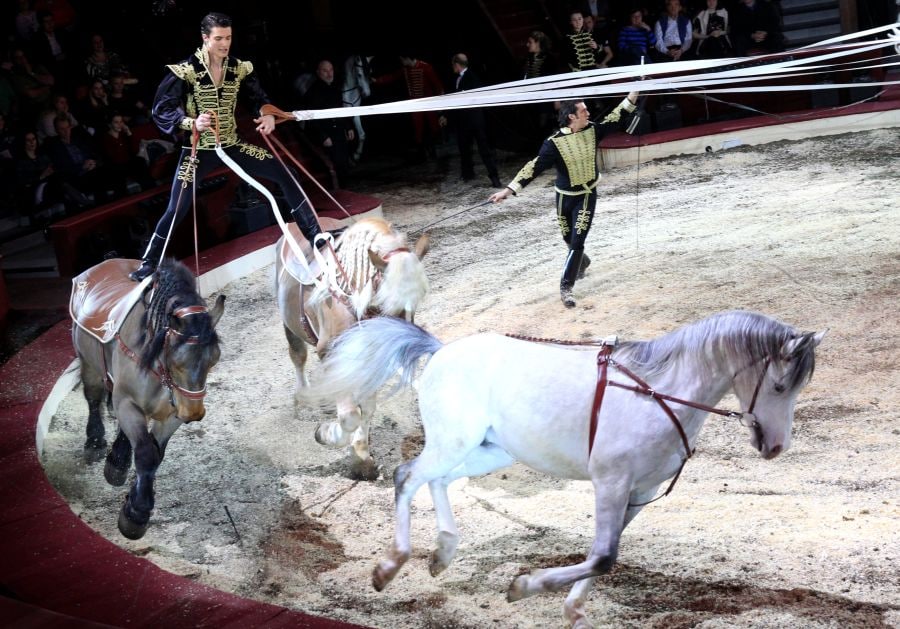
point(423, 244)
point(797, 343)
point(216, 313)
point(377, 260)
point(818, 336)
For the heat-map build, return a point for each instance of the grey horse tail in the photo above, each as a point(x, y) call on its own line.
point(367, 355)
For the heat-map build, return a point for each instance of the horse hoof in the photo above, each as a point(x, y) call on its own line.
point(381, 576)
point(94, 450)
point(365, 469)
point(130, 529)
point(115, 476)
point(518, 589)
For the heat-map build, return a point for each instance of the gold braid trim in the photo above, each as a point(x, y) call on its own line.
point(579, 153)
point(184, 71)
point(526, 173)
point(186, 170)
point(254, 151)
point(616, 114)
point(244, 68)
point(584, 54)
point(583, 220)
point(561, 218)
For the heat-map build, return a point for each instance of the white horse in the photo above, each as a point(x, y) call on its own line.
point(356, 88)
point(487, 401)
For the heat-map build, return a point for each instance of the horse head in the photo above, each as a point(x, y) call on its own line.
point(403, 284)
point(183, 345)
point(769, 390)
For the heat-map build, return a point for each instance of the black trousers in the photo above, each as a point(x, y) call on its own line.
point(574, 213)
point(256, 161)
point(464, 135)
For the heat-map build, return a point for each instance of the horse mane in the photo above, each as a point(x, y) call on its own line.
point(743, 337)
point(395, 292)
point(175, 287)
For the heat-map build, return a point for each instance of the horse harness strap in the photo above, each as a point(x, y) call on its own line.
point(604, 359)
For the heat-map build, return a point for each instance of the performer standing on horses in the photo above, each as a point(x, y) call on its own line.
point(573, 151)
point(210, 81)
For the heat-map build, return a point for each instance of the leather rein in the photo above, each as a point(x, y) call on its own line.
point(605, 360)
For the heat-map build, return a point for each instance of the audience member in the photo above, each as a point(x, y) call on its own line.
point(93, 110)
point(636, 40)
point(46, 127)
point(540, 62)
point(421, 81)
point(469, 124)
point(103, 64)
point(38, 187)
point(121, 100)
point(711, 32)
point(603, 54)
point(64, 15)
point(119, 149)
point(32, 85)
point(7, 95)
point(756, 28)
point(332, 134)
point(673, 32)
point(75, 160)
point(580, 49)
point(7, 155)
point(53, 50)
point(26, 21)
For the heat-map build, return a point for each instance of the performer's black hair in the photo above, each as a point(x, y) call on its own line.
point(213, 20)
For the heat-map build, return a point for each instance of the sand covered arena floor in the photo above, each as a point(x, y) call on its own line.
point(804, 231)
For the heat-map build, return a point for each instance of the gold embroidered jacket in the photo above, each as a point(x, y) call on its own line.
point(573, 154)
point(188, 90)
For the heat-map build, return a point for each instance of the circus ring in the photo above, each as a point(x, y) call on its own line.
point(56, 568)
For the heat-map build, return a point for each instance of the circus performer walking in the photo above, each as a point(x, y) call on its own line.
point(573, 151)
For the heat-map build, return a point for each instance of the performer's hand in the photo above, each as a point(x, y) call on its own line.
point(203, 122)
point(265, 124)
point(499, 196)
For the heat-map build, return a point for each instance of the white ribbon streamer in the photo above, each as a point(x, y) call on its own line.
point(703, 77)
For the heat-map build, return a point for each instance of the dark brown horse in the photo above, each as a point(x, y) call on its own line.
point(146, 349)
point(377, 275)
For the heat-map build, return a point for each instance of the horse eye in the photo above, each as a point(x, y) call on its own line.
point(779, 388)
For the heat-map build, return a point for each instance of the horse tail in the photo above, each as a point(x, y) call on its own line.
point(366, 356)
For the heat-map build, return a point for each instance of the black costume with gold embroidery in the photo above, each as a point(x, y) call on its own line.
point(186, 92)
point(574, 155)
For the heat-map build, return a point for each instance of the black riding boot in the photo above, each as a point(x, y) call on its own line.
point(151, 258)
point(582, 269)
point(570, 274)
point(307, 223)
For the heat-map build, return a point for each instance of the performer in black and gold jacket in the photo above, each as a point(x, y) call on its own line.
point(211, 81)
point(573, 151)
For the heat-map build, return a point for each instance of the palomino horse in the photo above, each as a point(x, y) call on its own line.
point(624, 418)
point(356, 88)
point(379, 276)
point(149, 351)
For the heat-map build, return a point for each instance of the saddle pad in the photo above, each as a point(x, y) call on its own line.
point(103, 295)
point(289, 261)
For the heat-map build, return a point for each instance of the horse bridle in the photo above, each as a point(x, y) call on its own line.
point(605, 360)
point(163, 374)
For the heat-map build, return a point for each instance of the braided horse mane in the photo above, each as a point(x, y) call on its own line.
point(395, 290)
point(175, 288)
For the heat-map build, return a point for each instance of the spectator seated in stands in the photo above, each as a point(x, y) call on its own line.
point(756, 28)
point(46, 123)
point(636, 40)
point(604, 54)
point(38, 188)
point(122, 101)
point(53, 49)
point(119, 149)
point(93, 110)
point(711, 39)
point(673, 33)
point(75, 160)
point(333, 135)
point(103, 64)
point(26, 21)
point(32, 85)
